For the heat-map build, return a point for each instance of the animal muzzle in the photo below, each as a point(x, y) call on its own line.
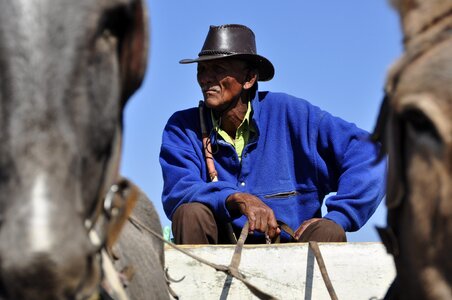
point(58, 274)
point(46, 258)
point(41, 278)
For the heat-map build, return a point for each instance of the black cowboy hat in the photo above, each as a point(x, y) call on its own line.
point(233, 40)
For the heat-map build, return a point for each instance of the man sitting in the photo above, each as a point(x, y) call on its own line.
point(275, 156)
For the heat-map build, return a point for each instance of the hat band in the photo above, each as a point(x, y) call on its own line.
point(214, 52)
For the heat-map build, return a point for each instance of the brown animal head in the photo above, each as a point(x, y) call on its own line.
point(415, 127)
point(67, 69)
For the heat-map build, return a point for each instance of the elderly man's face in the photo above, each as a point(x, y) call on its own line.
point(221, 81)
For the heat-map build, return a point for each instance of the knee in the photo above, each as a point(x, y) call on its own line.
point(194, 223)
point(333, 231)
point(324, 230)
point(191, 212)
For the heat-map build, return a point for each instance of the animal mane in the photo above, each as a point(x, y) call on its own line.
point(396, 4)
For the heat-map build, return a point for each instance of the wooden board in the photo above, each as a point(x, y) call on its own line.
point(287, 271)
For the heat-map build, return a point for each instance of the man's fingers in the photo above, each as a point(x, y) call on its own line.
point(271, 232)
point(272, 226)
point(260, 217)
point(252, 222)
point(259, 224)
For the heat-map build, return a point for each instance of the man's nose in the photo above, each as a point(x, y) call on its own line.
point(204, 77)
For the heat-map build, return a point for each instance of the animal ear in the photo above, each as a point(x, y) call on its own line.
point(134, 50)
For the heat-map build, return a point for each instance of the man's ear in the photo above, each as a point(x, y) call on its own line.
point(250, 80)
point(133, 51)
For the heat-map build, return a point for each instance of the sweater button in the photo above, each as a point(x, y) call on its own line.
point(242, 183)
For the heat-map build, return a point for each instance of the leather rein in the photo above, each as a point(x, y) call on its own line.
point(117, 207)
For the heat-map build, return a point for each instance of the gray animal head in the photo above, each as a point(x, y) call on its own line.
point(67, 69)
point(415, 126)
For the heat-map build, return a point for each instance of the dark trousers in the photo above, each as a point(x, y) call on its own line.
point(194, 223)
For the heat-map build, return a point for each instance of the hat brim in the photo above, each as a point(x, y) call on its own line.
point(263, 65)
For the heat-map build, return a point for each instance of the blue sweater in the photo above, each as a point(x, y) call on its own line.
point(298, 155)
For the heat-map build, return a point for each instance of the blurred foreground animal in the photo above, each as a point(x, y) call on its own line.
point(415, 127)
point(67, 69)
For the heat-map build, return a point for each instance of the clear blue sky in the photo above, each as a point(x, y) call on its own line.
point(333, 53)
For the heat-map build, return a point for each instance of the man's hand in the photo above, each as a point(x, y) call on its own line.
point(303, 227)
point(260, 216)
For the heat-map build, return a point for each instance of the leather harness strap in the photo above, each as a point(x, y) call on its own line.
point(111, 171)
point(111, 286)
point(287, 229)
point(117, 208)
point(314, 247)
point(326, 279)
point(206, 143)
point(236, 257)
point(235, 262)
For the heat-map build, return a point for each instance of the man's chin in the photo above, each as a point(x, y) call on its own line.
point(211, 103)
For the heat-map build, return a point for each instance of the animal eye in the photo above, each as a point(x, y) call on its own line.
point(422, 131)
point(115, 21)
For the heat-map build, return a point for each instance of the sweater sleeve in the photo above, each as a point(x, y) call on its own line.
point(350, 168)
point(184, 177)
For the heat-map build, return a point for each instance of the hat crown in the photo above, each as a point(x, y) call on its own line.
point(229, 39)
point(233, 41)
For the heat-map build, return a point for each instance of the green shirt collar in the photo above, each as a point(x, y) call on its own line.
point(242, 134)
